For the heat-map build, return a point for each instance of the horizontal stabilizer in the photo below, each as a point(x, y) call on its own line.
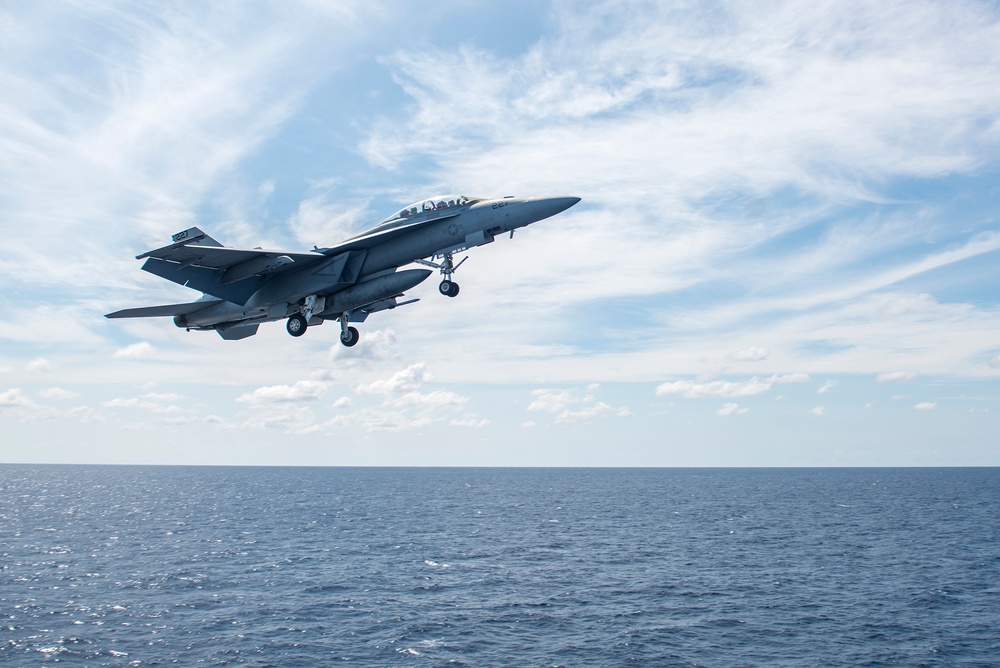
point(165, 310)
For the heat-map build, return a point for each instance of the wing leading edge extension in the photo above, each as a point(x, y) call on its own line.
point(386, 232)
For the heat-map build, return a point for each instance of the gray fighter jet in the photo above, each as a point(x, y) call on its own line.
point(244, 287)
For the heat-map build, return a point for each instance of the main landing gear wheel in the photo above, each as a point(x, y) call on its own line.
point(448, 288)
point(296, 325)
point(350, 337)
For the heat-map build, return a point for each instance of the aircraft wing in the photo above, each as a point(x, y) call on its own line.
point(165, 310)
point(237, 263)
point(233, 274)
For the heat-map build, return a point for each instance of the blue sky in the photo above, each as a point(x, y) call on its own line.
point(786, 253)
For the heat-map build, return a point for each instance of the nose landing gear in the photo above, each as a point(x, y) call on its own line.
point(448, 287)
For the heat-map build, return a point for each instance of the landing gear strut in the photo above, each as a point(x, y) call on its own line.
point(448, 287)
point(348, 335)
point(298, 323)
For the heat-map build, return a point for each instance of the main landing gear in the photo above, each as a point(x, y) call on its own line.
point(299, 322)
point(448, 287)
point(296, 325)
point(348, 335)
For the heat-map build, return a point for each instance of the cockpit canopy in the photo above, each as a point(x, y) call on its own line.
point(436, 203)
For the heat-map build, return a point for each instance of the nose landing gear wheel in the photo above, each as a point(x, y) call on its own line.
point(350, 337)
point(448, 288)
point(296, 325)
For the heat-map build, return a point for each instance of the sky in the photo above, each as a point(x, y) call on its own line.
point(786, 253)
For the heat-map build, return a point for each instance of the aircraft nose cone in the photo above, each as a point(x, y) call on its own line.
point(550, 206)
point(560, 204)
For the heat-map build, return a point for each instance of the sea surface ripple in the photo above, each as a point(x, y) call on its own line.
point(191, 566)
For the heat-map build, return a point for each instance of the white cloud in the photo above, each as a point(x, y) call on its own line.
point(145, 112)
point(898, 377)
point(404, 405)
point(470, 422)
point(303, 390)
point(86, 415)
point(995, 362)
point(140, 350)
point(375, 347)
point(758, 128)
point(818, 411)
point(752, 354)
point(731, 409)
point(782, 379)
point(552, 401)
point(319, 219)
point(571, 405)
point(600, 409)
point(154, 402)
point(715, 388)
point(437, 399)
point(15, 403)
point(40, 365)
point(383, 420)
point(15, 398)
point(57, 393)
point(410, 378)
point(909, 303)
point(826, 387)
point(925, 406)
point(290, 419)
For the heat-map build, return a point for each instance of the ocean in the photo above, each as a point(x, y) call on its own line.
point(219, 566)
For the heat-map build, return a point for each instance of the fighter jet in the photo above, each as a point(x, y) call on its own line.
point(243, 288)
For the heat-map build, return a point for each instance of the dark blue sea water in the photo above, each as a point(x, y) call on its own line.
point(137, 566)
